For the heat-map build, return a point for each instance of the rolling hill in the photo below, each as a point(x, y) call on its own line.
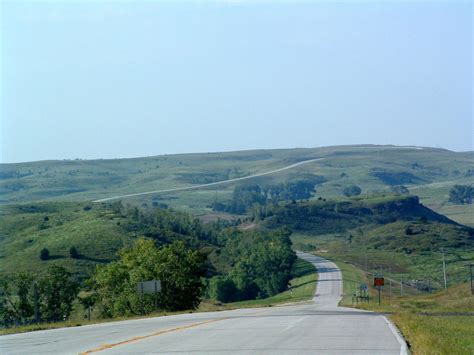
point(427, 172)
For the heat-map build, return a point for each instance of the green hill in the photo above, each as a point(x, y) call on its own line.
point(427, 172)
point(97, 231)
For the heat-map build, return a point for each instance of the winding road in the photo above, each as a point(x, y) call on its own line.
point(314, 327)
point(194, 187)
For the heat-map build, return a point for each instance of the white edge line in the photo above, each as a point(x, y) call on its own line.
point(192, 187)
point(400, 339)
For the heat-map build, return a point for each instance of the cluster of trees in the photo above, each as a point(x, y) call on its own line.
point(165, 225)
point(28, 298)
point(461, 194)
point(261, 265)
point(245, 197)
point(179, 269)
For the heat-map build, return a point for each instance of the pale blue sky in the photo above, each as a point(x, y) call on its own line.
point(117, 79)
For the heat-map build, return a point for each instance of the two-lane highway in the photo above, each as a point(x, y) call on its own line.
point(316, 327)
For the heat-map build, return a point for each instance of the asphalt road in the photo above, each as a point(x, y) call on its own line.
point(316, 327)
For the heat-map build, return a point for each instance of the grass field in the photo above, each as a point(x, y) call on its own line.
point(427, 172)
point(432, 323)
point(302, 288)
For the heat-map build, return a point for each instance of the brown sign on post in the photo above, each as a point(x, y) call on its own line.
point(379, 281)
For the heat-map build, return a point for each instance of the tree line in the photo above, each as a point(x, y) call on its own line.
point(245, 197)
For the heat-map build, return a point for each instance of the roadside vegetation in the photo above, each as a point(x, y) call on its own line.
point(302, 287)
point(191, 260)
point(432, 322)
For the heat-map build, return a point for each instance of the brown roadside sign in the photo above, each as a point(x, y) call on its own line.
point(379, 281)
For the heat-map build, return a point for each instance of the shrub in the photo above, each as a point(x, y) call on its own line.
point(73, 253)
point(44, 254)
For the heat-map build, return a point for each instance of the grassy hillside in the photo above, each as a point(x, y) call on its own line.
point(97, 231)
point(427, 172)
point(26, 229)
point(395, 234)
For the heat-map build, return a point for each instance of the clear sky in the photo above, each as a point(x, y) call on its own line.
point(122, 79)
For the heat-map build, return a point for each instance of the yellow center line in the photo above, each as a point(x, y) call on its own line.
point(108, 346)
point(137, 338)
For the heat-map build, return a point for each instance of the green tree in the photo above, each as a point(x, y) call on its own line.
point(261, 262)
point(57, 293)
point(17, 298)
point(73, 253)
point(44, 254)
point(177, 267)
point(223, 289)
point(24, 283)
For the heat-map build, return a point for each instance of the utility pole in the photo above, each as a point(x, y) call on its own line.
point(472, 285)
point(390, 281)
point(444, 271)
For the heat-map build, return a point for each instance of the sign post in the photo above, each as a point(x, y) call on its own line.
point(149, 287)
point(379, 281)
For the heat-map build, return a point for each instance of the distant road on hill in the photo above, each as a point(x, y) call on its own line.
point(194, 187)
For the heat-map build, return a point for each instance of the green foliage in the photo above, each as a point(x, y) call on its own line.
point(57, 293)
point(177, 267)
point(17, 299)
point(255, 198)
point(223, 289)
point(352, 191)
point(44, 254)
point(461, 194)
point(53, 293)
point(260, 265)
